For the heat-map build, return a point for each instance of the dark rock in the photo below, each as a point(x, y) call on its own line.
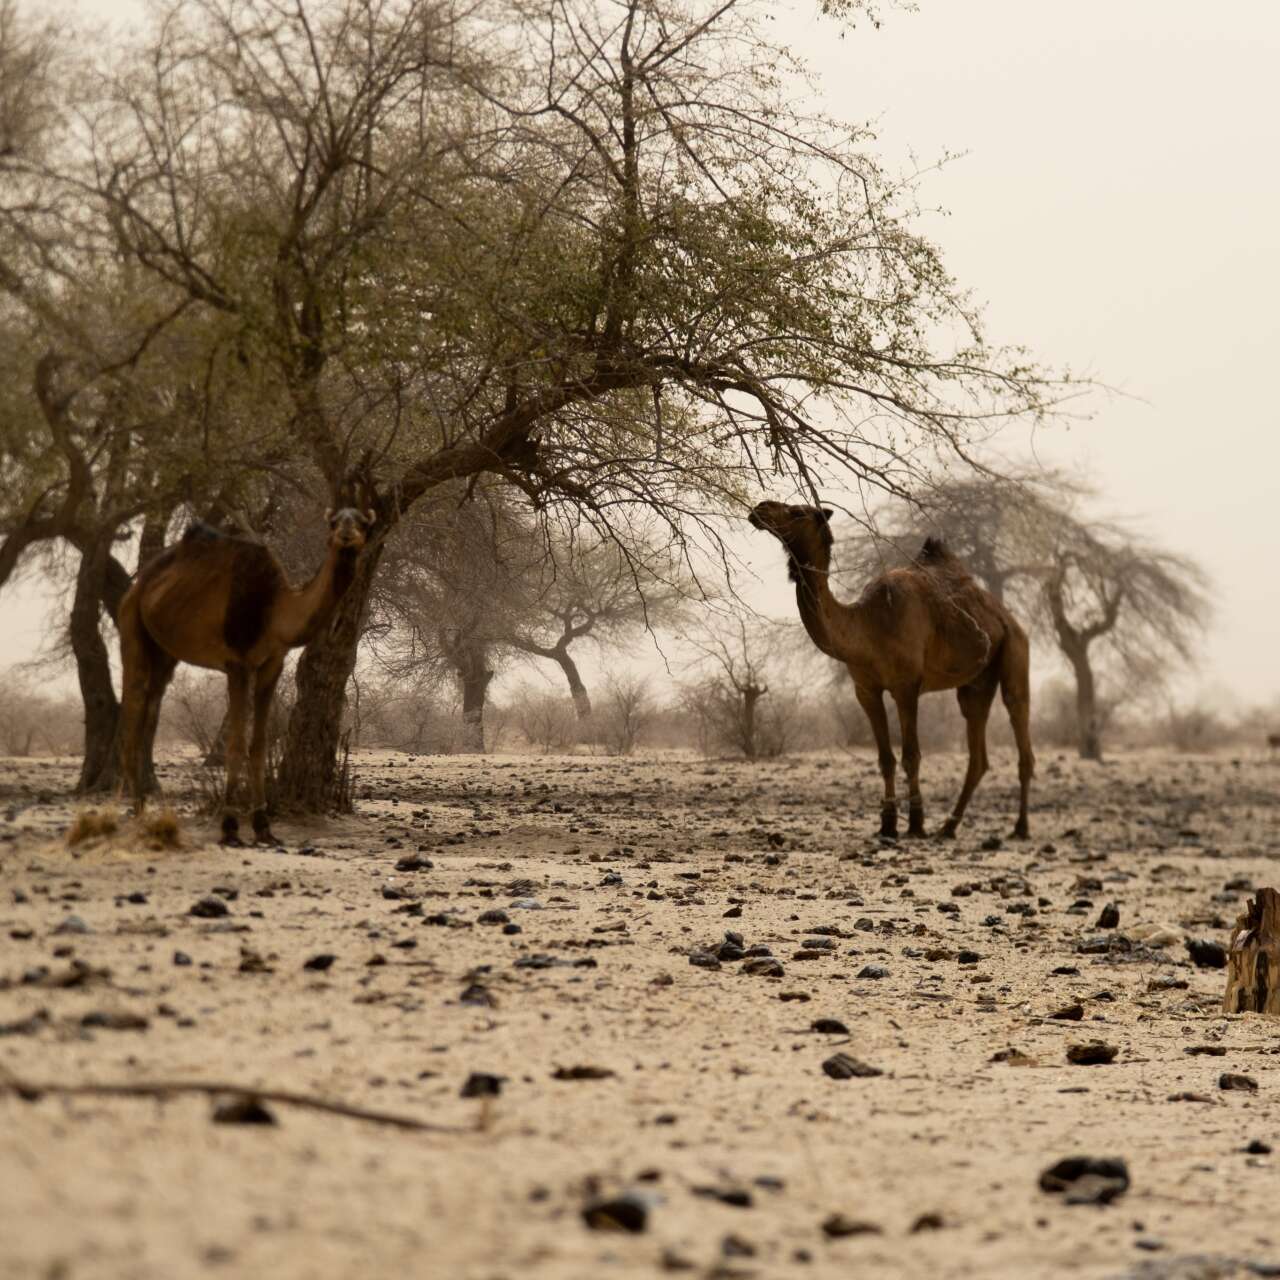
point(320, 963)
point(1258, 1148)
point(478, 994)
point(72, 924)
point(480, 1084)
point(414, 862)
point(829, 1027)
point(873, 971)
point(838, 1226)
point(1232, 1080)
point(1094, 1053)
point(840, 1066)
point(735, 1197)
point(1206, 1051)
point(1110, 917)
point(927, 1222)
point(763, 967)
point(114, 1020)
point(209, 908)
point(243, 1109)
point(493, 916)
point(627, 1212)
point(1070, 1013)
point(181, 959)
point(1086, 1179)
point(582, 1073)
point(1207, 955)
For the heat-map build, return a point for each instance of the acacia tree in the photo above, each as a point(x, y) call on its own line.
point(598, 593)
point(611, 263)
point(1093, 588)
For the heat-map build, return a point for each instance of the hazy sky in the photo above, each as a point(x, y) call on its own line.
point(1117, 207)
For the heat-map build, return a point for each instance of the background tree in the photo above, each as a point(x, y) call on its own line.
point(599, 593)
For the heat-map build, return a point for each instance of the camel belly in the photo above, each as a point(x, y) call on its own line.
point(187, 624)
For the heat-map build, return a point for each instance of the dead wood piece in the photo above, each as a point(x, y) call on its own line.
point(31, 1091)
point(1253, 958)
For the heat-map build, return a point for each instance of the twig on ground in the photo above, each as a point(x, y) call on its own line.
point(32, 1092)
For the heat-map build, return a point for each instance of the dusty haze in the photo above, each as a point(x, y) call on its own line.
point(1115, 207)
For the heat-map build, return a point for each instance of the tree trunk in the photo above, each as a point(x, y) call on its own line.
point(1088, 728)
point(577, 690)
point(1253, 958)
point(474, 672)
point(99, 766)
point(306, 782)
point(750, 696)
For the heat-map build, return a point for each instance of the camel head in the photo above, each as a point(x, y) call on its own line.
point(804, 531)
point(349, 528)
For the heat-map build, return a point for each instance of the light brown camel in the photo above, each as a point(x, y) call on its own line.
point(223, 602)
point(914, 630)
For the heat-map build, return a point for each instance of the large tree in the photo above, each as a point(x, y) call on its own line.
point(593, 249)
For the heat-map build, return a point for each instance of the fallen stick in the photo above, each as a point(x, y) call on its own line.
point(31, 1092)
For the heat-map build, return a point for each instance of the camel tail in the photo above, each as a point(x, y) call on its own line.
point(1015, 690)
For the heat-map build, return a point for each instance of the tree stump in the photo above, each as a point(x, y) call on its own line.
point(1253, 958)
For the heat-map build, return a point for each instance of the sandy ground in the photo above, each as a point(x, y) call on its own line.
point(717, 1121)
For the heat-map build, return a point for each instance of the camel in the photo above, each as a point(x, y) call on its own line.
point(914, 630)
point(223, 602)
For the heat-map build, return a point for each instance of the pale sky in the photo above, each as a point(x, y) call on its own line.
point(1116, 207)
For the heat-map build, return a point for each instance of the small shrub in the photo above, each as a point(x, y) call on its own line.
point(92, 824)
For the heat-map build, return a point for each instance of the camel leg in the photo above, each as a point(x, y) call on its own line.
point(975, 705)
point(237, 705)
point(908, 702)
point(136, 653)
point(1015, 689)
point(872, 702)
point(162, 669)
point(263, 690)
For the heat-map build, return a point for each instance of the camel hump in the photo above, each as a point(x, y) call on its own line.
point(935, 551)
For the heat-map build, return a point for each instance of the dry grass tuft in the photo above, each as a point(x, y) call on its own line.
point(91, 824)
point(161, 829)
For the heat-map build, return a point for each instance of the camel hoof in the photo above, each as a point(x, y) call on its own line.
point(945, 832)
point(1020, 832)
point(231, 840)
point(268, 839)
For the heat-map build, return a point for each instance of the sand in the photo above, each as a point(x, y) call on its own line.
point(709, 1110)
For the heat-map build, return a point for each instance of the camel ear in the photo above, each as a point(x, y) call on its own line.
point(328, 515)
point(826, 513)
point(369, 517)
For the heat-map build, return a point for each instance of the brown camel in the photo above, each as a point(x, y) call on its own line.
point(914, 630)
point(223, 602)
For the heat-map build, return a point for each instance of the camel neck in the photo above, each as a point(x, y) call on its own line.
point(814, 598)
point(314, 601)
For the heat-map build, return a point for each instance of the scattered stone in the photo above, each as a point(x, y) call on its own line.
point(1110, 917)
point(734, 1197)
point(873, 971)
point(72, 924)
point(838, 1227)
point(243, 1109)
point(321, 963)
point(1206, 1050)
point(1233, 1081)
point(28, 1026)
point(414, 862)
point(1086, 1179)
point(1014, 1057)
point(480, 1084)
point(181, 959)
point(927, 1222)
point(1207, 955)
point(1070, 1013)
point(840, 1066)
point(209, 908)
point(829, 1027)
point(1258, 1148)
point(763, 967)
point(627, 1212)
point(1094, 1053)
point(114, 1020)
point(480, 995)
point(582, 1073)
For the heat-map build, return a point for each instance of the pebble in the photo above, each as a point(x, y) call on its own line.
point(209, 908)
point(841, 1066)
point(1086, 1179)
